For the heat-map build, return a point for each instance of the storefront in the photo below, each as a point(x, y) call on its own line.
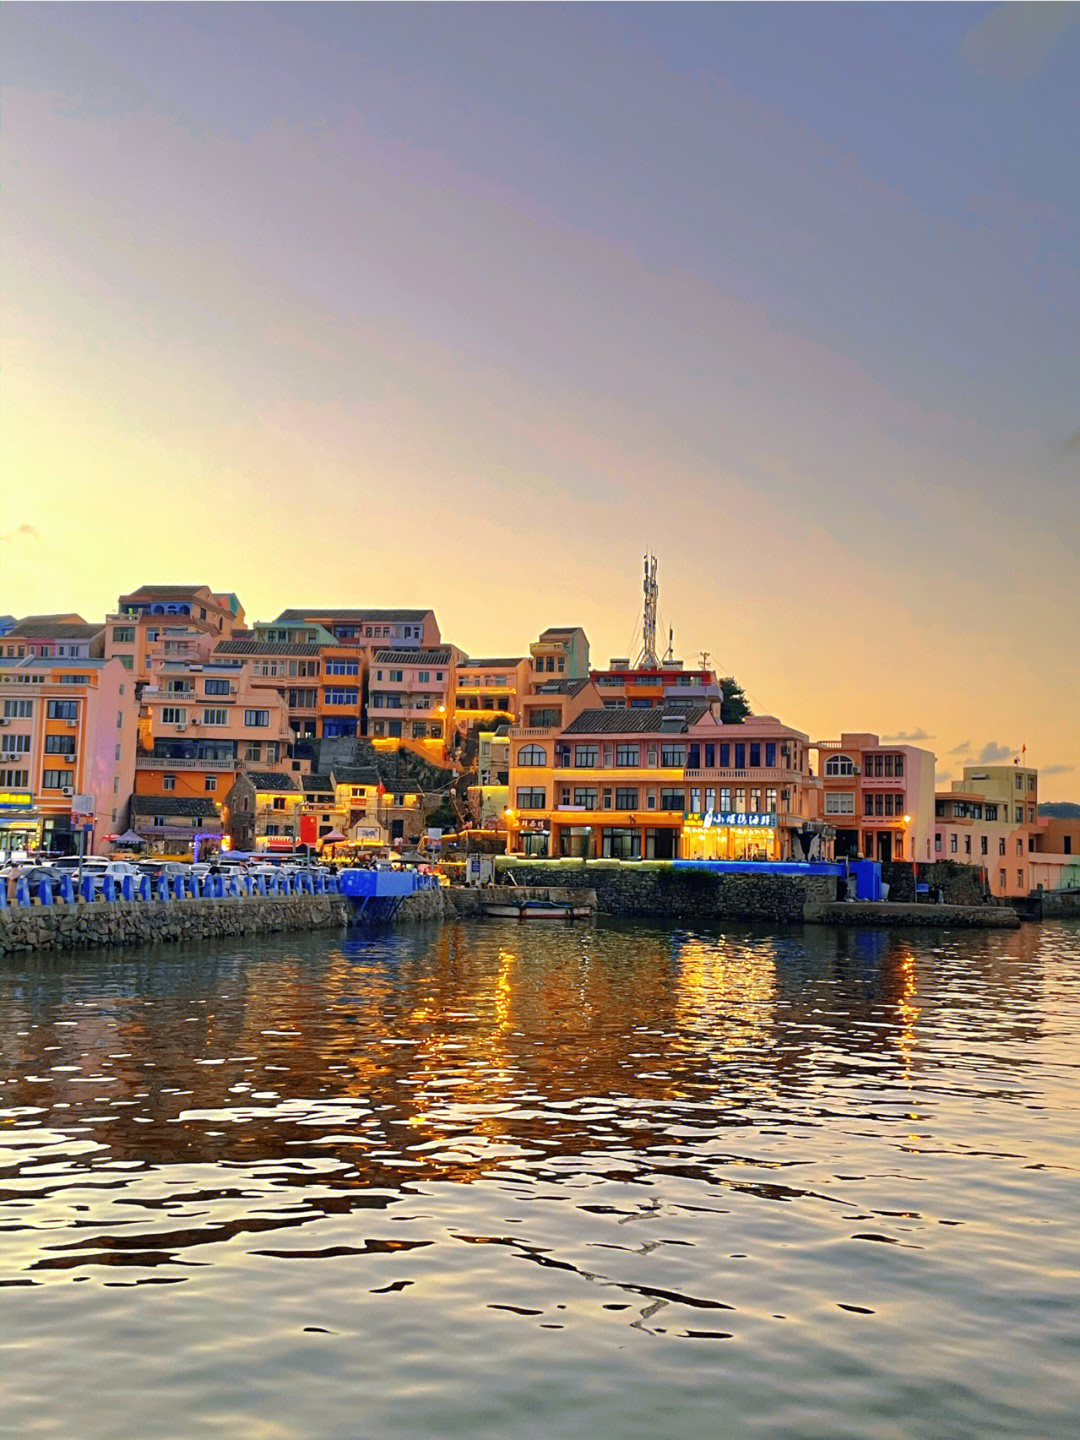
point(20, 825)
point(730, 835)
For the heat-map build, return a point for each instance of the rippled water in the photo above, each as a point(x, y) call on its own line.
point(503, 1180)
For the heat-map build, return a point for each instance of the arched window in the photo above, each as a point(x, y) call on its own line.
point(532, 755)
point(839, 765)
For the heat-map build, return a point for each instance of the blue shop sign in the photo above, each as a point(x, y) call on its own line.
point(731, 819)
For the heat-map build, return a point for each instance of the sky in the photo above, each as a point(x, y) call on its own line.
point(470, 306)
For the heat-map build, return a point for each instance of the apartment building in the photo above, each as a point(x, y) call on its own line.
point(55, 637)
point(169, 622)
point(878, 797)
point(262, 811)
point(365, 630)
point(624, 684)
point(293, 670)
point(67, 749)
point(990, 819)
point(412, 694)
point(561, 651)
point(490, 690)
point(181, 826)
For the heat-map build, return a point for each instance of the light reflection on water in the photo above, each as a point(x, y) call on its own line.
point(492, 1179)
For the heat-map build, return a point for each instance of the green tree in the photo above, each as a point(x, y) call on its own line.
point(734, 706)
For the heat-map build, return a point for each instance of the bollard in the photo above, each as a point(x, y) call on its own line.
point(86, 889)
point(108, 888)
point(219, 886)
point(178, 887)
point(22, 892)
point(144, 887)
point(260, 881)
point(3, 895)
point(127, 888)
point(162, 887)
point(45, 895)
point(67, 889)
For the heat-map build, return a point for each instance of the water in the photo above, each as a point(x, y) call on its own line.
point(507, 1180)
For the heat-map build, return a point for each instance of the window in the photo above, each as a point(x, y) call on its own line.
point(1019, 782)
point(725, 798)
point(1020, 879)
point(967, 844)
point(673, 757)
point(626, 797)
point(672, 799)
point(62, 709)
point(54, 744)
point(397, 677)
point(215, 717)
point(168, 782)
point(627, 755)
point(983, 845)
point(837, 802)
point(839, 765)
point(755, 754)
point(173, 715)
point(771, 801)
point(937, 841)
point(216, 687)
point(18, 709)
point(868, 804)
point(119, 719)
point(898, 767)
point(531, 799)
point(532, 755)
point(118, 751)
point(1019, 847)
point(770, 754)
point(542, 719)
point(334, 696)
point(740, 755)
point(16, 778)
point(257, 719)
point(1001, 846)
point(57, 779)
point(952, 845)
point(585, 796)
point(279, 802)
point(585, 757)
point(1001, 879)
point(423, 677)
point(342, 667)
point(1031, 782)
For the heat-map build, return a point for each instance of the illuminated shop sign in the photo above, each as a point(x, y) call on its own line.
point(733, 819)
point(16, 799)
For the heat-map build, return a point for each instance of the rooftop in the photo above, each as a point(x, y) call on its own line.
point(631, 720)
point(172, 805)
point(355, 775)
point(271, 780)
point(264, 647)
point(293, 617)
point(503, 663)
point(412, 657)
point(43, 627)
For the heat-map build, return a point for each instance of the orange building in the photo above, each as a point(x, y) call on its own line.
point(169, 622)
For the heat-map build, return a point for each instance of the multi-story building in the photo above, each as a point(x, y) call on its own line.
point(561, 651)
point(55, 637)
point(412, 693)
point(878, 797)
point(638, 783)
point(320, 815)
point(180, 826)
point(490, 690)
point(262, 811)
point(990, 819)
point(365, 630)
point(201, 724)
point(624, 684)
point(169, 622)
point(492, 789)
point(68, 734)
point(293, 669)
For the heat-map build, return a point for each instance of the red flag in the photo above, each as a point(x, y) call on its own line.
point(380, 788)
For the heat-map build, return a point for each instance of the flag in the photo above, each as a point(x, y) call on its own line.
point(380, 788)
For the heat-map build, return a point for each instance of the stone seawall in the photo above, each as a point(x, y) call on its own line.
point(149, 922)
point(665, 893)
point(946, 917)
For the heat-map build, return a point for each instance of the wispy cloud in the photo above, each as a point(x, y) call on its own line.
point(902, 737)
point(20, 532)
point(1057, 769)
point(993, 752)
point(1013, 41)
point(964, 748)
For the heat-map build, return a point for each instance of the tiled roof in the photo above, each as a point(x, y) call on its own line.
point(376, 616)
point(500, 664)
point(271, 780)
point(412, 657)
point(171, 805)
point(318, 784)
point(632, 720)
point(556, 632)
point(263, 647)
point(169, 590)
point(355, 775)
point(38, 627)
point(558, 687)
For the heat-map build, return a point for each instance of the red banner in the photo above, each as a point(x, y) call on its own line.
point(308, 833)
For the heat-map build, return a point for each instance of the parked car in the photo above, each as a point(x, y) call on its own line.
point(11, 874)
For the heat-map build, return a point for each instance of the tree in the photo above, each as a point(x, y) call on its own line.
point(734, 706)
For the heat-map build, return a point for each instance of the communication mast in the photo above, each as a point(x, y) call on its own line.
point(648, 659)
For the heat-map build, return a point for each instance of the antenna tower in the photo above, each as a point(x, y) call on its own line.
point(648, 659)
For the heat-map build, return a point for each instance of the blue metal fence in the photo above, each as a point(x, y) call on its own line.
point(66, 890)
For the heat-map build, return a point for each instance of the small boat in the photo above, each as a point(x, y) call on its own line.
point(525, 909)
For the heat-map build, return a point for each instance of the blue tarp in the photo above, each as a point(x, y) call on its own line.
point(865, 874)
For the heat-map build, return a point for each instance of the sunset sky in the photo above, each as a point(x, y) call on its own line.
point(468, 306)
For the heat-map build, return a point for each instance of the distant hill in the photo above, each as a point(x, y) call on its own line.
point(1060, 810)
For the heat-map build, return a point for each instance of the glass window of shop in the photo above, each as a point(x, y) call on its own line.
point(620, 844)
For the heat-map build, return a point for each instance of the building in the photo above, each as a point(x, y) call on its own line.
point(636, 783)
point(294, 669)
point(624, 684)
point(412, 696)
point(169, 622)
point(67, 743)
point(364, 630)
point(180, 826)
point(878, 797)
point(320, 815)
point(990, 819)
point(561, 651)
point(490, 690)
point(490, 797)
point(202, 723)
point(262, 811)
point(55, 637)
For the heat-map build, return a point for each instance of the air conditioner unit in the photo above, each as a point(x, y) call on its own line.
point(67, 790)
point(181, 725)
point(234, 690)
point(856, 769)
point(71, 724)
point(196, 721)
point(5, 722)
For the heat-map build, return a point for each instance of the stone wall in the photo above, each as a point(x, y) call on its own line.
point(663, 892)
point(951, 917)
point(148, 922)
point(961, 884)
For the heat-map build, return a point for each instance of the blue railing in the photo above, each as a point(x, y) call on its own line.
point(165, 888)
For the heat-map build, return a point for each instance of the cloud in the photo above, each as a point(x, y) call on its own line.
point(20, 532)
point(1057, 769)
point(904, 737)
point(964, 748)
point(1013, 41)
point(992, 752)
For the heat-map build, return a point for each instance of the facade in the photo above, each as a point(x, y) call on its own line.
point(990, 819)
point(378, 813)
point(560, 652)
point(490, 690)
point(490, 797)
point(202, 723)
point(879, 798)
point(364, 630)
point(412, 694)
point(169, 622)
point(67, 730)
point(55, 637)
point(179, 826)
point(262, 811)
point(623, 684)
point(320, 815)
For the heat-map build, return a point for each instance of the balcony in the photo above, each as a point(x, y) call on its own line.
point(756, 776)
point(162, 762)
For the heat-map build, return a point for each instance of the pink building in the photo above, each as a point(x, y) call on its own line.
point(879, 798)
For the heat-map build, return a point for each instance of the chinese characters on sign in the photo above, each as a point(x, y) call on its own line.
point(727, 819)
